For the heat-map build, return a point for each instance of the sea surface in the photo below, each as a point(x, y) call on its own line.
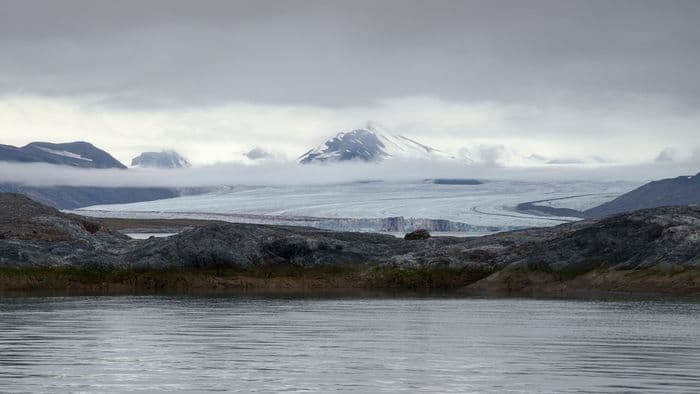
point(365, 344)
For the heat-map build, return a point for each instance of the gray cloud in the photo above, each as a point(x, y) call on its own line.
point(184, 53)
point(259, 154)
point(695, 155)
point(666, 155)
point(492, 155)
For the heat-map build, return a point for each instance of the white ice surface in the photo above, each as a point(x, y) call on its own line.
point(489, 204)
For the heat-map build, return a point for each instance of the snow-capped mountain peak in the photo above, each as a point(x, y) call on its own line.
point(370, 144)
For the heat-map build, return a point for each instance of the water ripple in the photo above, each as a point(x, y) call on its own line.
point(244, 344)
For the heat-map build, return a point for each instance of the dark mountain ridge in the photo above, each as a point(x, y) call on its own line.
point(83, 155)
point(76, 154)
point(72, 197)
point(682, 190)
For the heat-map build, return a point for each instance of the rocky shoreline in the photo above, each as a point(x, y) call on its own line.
point(655, 250)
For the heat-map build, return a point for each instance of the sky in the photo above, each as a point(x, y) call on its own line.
point(498, 81)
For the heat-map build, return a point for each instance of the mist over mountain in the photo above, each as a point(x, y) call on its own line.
point(86, 161)
point(76, 154)
point(162, 159)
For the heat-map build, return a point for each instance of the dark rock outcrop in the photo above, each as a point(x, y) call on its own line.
point(247, 245)
point(416, 235)
point(648, 241)
point(33, 235)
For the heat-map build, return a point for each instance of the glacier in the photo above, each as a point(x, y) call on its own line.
point(393, 207)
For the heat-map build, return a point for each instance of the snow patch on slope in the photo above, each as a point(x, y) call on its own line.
point(64, 153)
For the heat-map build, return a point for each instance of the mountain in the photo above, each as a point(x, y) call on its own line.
point(76, 154)
point(72, 197)
point(682, 190)
point(369, 144)
point(162, 159)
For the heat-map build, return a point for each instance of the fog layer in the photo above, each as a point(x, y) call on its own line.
point(284, 173)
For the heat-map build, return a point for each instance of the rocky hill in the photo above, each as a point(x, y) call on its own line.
point(682, 190)
point(649, 250)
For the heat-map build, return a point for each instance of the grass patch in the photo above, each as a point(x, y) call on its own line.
point(261, 277)
point(423, 278)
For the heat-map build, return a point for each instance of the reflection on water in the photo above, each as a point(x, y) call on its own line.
point(89, 344)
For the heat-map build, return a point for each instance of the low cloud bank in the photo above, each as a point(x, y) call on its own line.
point(280, 173)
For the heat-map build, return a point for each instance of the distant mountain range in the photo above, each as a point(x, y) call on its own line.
point(76, 154)
point(162, 159)
point(85, 155)
point(369, 144)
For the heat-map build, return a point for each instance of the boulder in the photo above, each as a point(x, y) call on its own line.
point(416, 235)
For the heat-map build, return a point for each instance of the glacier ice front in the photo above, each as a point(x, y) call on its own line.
point(380, 206)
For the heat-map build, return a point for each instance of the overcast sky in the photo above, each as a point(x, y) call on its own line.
point(616, 80)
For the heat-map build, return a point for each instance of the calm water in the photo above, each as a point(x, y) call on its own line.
point(96, 344)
